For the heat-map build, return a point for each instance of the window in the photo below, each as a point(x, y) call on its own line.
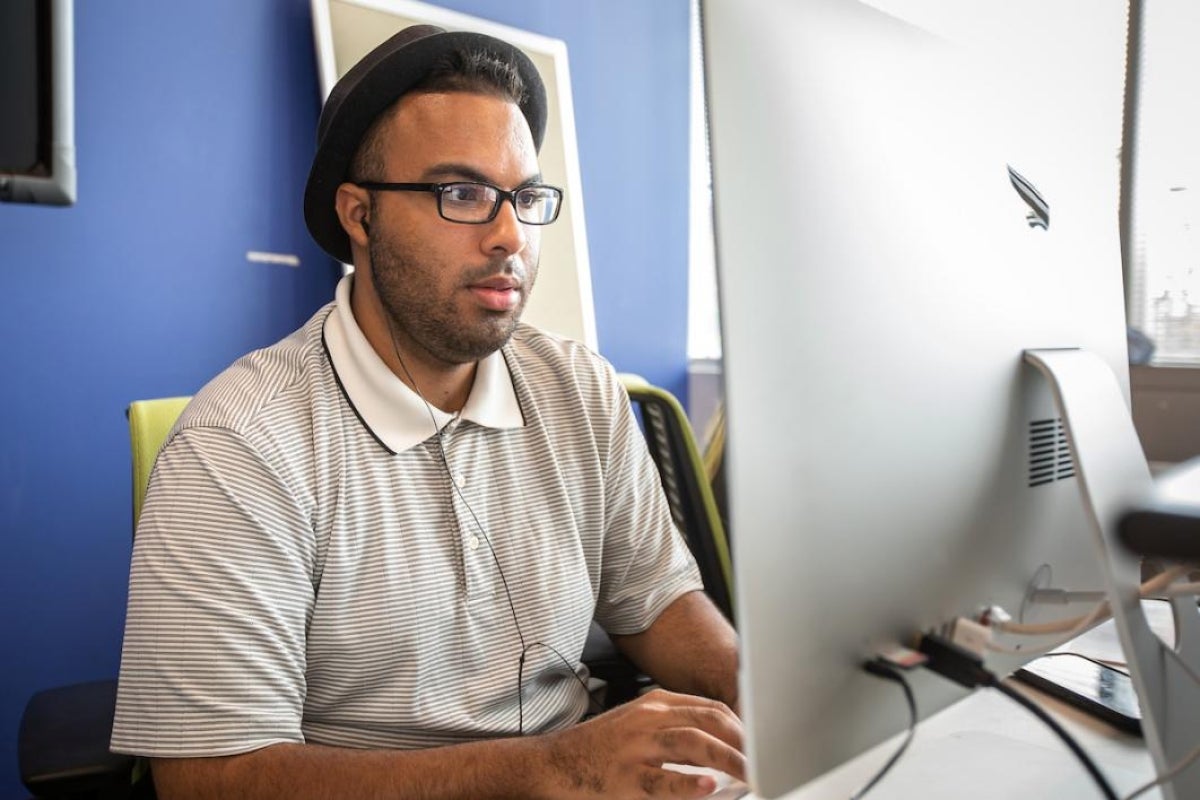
point(704, 329)
point(1164, 280)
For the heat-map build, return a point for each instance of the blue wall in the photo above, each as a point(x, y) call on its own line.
point(194, 128)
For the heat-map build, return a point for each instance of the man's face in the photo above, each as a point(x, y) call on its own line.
point(450, 290)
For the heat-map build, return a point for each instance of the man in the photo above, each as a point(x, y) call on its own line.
point(370, 554)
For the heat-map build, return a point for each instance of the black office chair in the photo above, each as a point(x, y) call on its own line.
point(62, 743)
point(689, 494)
point(714, 465)
point(686, 483)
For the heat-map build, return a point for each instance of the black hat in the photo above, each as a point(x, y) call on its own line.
point(369, 88)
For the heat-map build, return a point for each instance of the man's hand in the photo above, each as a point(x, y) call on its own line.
point(620, 754)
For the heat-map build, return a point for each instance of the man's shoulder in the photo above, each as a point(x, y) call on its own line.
point(552, 366)
point(279, 381)
point(555, 351)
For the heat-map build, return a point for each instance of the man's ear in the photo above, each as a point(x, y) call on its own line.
point(353, 204)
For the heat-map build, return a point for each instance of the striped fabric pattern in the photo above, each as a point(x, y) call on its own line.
point(295, 581)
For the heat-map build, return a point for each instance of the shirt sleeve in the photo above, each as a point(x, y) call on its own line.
point(220, 594)
point(647, 562)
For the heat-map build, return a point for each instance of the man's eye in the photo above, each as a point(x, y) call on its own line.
point(466, 194)
point(535, 197)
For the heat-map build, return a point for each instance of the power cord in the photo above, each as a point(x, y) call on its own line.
point(1183, 764)
point(1071, 627)
point(966, 669)
point(882, 669)
point(973, 638)
point(1061, 732)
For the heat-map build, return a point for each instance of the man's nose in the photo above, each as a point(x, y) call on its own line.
point(506, 234)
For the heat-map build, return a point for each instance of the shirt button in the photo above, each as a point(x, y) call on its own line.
point(460, 478)
point(473, 543)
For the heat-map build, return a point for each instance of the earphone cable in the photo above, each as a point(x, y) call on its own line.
point(495, 557)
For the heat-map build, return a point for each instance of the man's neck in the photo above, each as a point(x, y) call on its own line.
point(446, 389)
point(443, 385)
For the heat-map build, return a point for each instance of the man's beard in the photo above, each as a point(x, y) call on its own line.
point(435, 324)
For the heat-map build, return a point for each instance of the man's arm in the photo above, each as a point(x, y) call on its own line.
point(618, 754)
point(690, 648)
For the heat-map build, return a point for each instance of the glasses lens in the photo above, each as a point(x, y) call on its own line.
point(538, 205)
point(468, 202)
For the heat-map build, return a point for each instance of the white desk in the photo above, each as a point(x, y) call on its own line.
point(989, 748)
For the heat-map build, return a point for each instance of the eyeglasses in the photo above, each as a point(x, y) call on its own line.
point(475, 203)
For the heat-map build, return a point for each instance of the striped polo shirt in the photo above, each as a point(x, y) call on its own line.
point(322, 557)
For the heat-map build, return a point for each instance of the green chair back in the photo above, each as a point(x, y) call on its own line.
point(149, 423)
point(685, 481)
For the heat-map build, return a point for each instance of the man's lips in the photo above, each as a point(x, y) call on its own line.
point(497, 294)
point(499, 283)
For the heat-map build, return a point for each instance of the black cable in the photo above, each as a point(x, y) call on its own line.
point(525, 647)
point(966, 669)
point(1061, 732)
point(495, 557)
point(886, 671)
point(1106, 664)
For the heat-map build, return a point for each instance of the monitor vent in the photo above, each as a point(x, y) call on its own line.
point(1050, 457)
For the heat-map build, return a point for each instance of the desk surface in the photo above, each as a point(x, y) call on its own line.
point(987, 747)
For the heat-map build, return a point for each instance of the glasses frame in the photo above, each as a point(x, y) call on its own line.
point(437, 190)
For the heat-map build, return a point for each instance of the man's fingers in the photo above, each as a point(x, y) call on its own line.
point(665, 783)
point(627, 747)
point(719, 722)
point(697, 748)
point(712, 717)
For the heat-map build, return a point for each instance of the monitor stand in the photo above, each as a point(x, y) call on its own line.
point(1113, 475)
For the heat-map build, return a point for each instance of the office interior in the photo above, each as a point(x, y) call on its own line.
point(195, 125)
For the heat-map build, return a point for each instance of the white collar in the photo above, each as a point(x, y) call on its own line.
point(394, 413)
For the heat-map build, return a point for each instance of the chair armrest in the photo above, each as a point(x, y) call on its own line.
point(604, 661)
point(62, 746)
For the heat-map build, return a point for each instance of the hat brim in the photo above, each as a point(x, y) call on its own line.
point(360, 97)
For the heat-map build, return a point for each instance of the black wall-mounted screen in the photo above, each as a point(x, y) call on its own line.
point(37, 137)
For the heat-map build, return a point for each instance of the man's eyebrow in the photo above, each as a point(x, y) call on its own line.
point(468, 173)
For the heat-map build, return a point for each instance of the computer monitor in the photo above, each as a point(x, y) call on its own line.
point(907, 197)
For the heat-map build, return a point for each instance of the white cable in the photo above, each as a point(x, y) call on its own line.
point(1097, 615)
point(1158, 586)
point(1153, 587)
point(1175, 770)
point(1072, 627)
point(1175, 591)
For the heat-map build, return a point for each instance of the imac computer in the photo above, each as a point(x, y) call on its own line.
point(908, 197)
